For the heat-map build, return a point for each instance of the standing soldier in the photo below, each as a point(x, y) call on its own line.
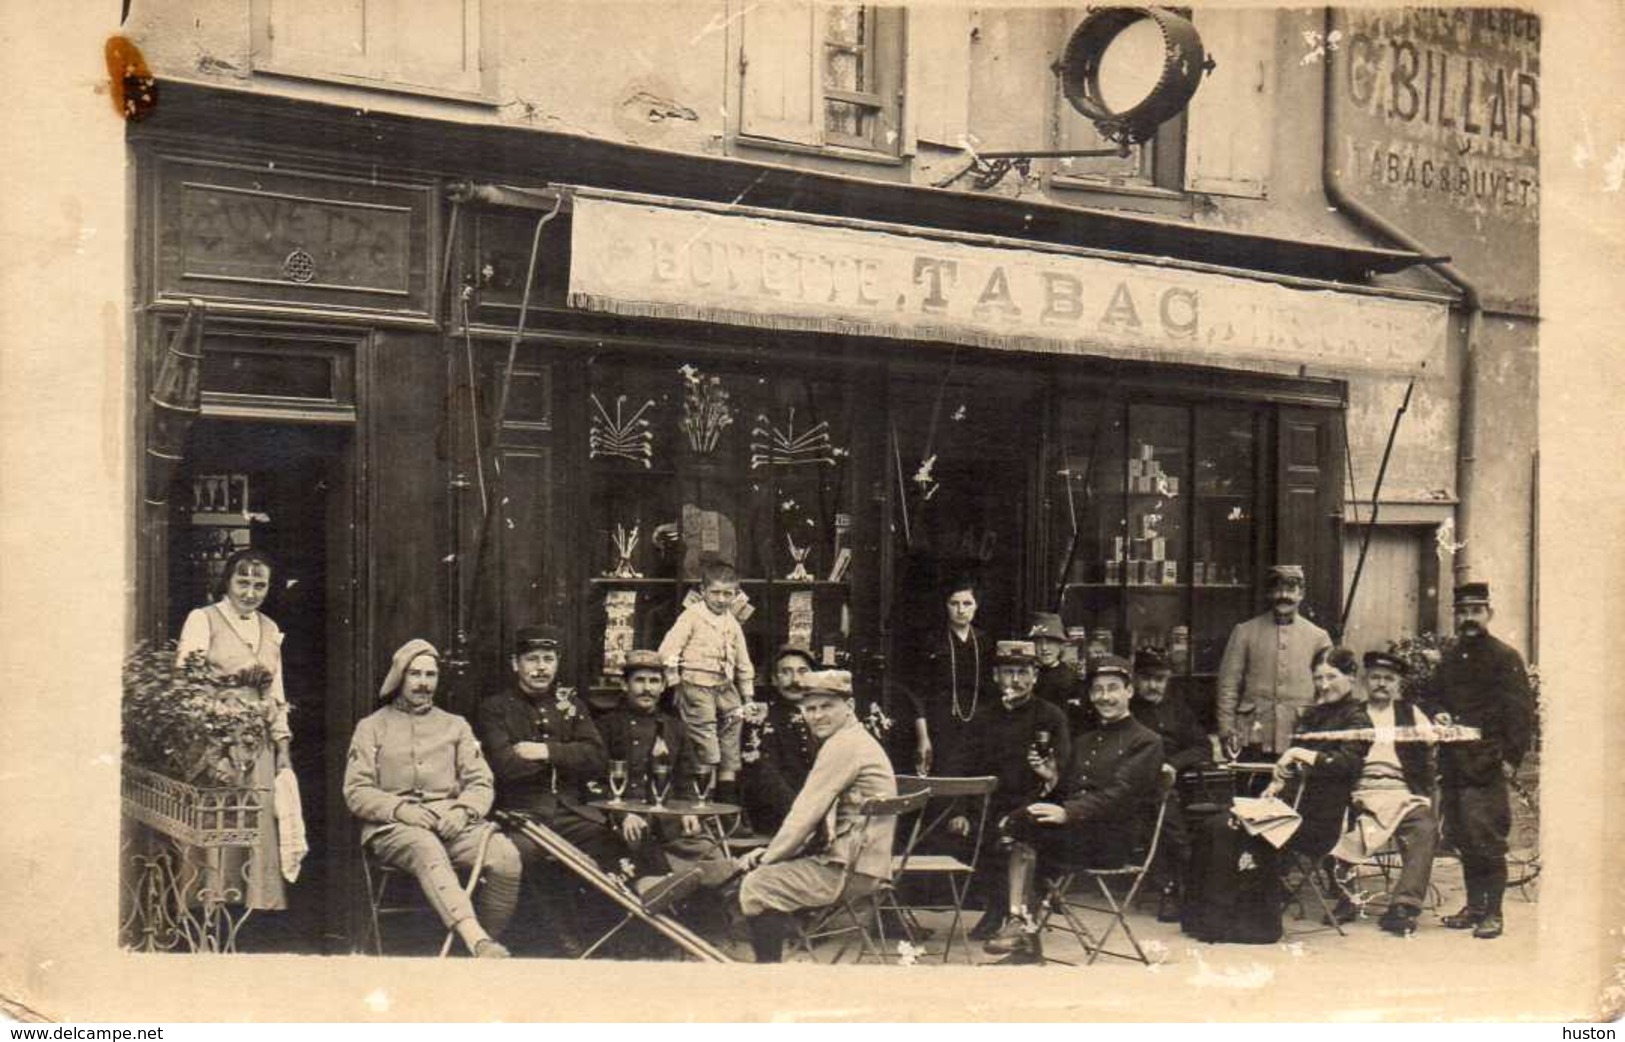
point(1480, 683)
point(1264, 677)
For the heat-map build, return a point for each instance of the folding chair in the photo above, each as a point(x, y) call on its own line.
point(861, 898)
point(968, 796)
point(378, 878)
point(1057, 888)
point(1306, 867)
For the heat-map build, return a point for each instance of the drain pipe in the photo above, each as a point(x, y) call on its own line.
point(1466, 435)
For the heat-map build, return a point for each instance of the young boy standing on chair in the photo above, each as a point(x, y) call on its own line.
point(708, 664)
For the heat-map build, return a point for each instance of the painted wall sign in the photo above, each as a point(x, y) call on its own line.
point(1438, 128)
point(633, 258)
point(241, 232)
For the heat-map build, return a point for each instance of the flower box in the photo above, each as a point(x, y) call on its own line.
point(204, 817)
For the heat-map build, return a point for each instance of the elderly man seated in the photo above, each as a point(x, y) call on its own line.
point(1393, 794)
point(802, 866)
point(417, 781)
point(1105, 796)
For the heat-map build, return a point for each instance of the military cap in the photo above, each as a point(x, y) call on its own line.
point(1103, 665)
point(837, 682)
point(532, 638)
point(1386, 660)
point(642, 659)
point(791, 649)
point(1151, 660)
point(1472, 593)
point(1014, 653)
point(1288, 572)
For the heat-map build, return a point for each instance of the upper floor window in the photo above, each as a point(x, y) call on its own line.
point(424, 46)
point(822, 74)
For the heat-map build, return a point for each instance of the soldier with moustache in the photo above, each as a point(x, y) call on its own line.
point(778, 749)
point(1480, 682)
point(1184, 747)
point(1264, 676)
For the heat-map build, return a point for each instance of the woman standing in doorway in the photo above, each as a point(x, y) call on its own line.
point(243, 648)
point(949, 680)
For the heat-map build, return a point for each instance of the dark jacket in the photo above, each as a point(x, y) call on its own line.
point(1481, 683)
point(778, 755)
point(1415, 758)
point(997, 744)
point(630, 736)
point(936, 665)
point(1062, 687)
point(1111, 785)
point(575, 751)
point(1329, 782)
point(1184, 745)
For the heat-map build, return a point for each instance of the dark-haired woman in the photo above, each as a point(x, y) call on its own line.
point(1327, 769)
point(948, 678)
point(243, 648)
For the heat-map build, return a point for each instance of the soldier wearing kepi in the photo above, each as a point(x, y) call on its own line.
point(1482, 683)
point(1264, 677)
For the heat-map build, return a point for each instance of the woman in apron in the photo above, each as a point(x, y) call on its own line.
point(244, 651)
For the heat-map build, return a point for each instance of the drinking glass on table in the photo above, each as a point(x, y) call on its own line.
point(705, 775)
point(617, 780)
point(660, 781)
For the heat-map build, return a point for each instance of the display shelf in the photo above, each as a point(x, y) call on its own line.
point(647, 580)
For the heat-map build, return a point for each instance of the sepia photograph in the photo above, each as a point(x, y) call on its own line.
point(1007, 508)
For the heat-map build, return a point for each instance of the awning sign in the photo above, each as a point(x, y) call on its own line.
point(634, 258)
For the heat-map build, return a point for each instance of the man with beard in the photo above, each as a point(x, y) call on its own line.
point(1480, 682)
point(545, 751)
point(1021, 740)
point(802, 866)
point(1059, 684)
point(1264, 677)
point(778, 750)
point(1107, 795)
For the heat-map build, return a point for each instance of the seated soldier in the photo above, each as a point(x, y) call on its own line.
point(1392, 796)
point(1106, 791)
point(545, 750)
point(1020, 739)
point(778, 748)
point(640, 733)
point(803, 864)
point(1184, 747)
point(417, 781)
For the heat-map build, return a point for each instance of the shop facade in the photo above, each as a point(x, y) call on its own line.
point(852, 409)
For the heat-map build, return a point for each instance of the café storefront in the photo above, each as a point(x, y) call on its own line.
point(449, 408)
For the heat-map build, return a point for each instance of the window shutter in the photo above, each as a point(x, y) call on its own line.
point(781, 97)
point(1309, 511)
point(313, 36)
point(938, 95)
point(1231, 117)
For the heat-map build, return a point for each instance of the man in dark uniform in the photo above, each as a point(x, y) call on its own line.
point(1021, 740)
point(1482, 683)
point(778, 750)
point(545, 750)
point(1107, 794)
point(1059, 683)
point(1184, 747)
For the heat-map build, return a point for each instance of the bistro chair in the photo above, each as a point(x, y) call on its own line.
point(1057, 899)
point(861, 898)
point(1300, 870)
point(969, 796)
point(382, 885)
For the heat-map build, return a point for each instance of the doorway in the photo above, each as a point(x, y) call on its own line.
point(1399, 586)
point(287, 489)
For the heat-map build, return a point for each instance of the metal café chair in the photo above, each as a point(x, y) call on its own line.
point(1298, 870)
point(970, 796)
point(861, 898)
point(380, 882)
point(1057, 899)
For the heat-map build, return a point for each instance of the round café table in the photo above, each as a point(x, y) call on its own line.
point(710, 813)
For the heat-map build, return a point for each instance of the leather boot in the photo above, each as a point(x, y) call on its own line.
point(767, 934)
point(987, 927)
point(1468, 918)
point(1019, 943)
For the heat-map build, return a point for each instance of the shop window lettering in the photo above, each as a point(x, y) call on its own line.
point(1412, 84)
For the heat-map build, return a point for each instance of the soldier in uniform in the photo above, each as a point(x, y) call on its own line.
point(546, 751)
point(1482, 683)
point(1105, 804)
point(778, 749)
point(1264, 677)
point(1184, 747)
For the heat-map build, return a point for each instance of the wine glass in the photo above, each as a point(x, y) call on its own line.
point(705, 775)
point(660, 781)
point(1232, 747)
point(617, 780)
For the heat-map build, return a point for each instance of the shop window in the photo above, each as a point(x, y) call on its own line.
point(428, 46)
point(822, 75)
point(690, 462)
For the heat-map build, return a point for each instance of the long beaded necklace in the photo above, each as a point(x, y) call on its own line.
point(953, 675)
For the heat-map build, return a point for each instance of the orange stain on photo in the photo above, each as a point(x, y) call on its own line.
point(135, 91)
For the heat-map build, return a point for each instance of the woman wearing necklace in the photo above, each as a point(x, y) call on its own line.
point(244, 651)
point(950, 680)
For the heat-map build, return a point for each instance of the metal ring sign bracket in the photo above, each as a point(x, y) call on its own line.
point(1184, 61)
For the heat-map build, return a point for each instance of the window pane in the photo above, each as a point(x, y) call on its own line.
point(847, 118)
point(846, 23)
point(841, 70)
point(1225, 528)
point(1157, 473)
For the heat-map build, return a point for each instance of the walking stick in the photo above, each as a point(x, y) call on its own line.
point(473, 880)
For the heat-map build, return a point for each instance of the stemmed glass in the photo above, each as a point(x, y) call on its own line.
point(705, 775)
point(617, 780)
point(660, 781)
